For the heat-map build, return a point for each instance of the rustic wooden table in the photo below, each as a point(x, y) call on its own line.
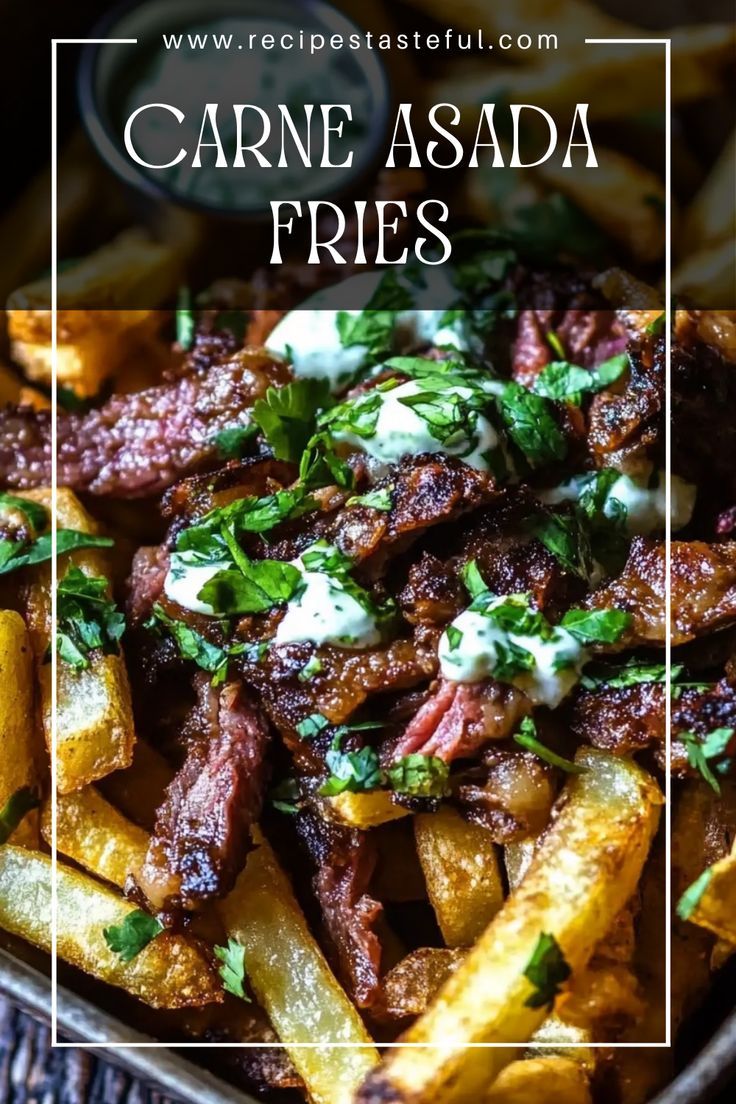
point(31, 1072)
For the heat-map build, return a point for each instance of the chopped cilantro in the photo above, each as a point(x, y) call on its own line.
point(287, 415)
point(378, 500)
point(526, 737)
point(15, 554)
point(454, 637)
point(255, 586)
point(193, 646)
point(530, 422)
point(567, 537)
point(185, 324)
point(596, 626)
point(86, 619)
point(14, 809)
point(312, 667)
point(136, 932)
point(419, 776)
point(657, 325)
point(311, 726)
point(472, 579)
point(232, 968)
point(547, 970)
point(351, 771)
point(563, 381)
point(233, 443)
point(703, 750)
point(34, 514)
point(631, 673)
point(285, 796)
point(693, 894)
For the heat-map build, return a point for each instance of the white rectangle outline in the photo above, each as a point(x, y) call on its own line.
point(108, 1044)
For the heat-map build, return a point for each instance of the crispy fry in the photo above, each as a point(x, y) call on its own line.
point(171, 972)
point(412, 983)
point(711, 217)
point(138, 790)
point(293, 982)
point(17, 719)
point(615, 83)
point(583, 873)
point(708, 278)
point(92, 342)
point(95, 835)
point(554, 1080)
point(517, 859)
point(716, 909)
point(94, 721)
point(463, 877)
point(625, 199)
point(364, 810)
point(564, 1039)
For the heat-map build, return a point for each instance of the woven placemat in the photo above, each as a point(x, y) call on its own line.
point(32, 1072)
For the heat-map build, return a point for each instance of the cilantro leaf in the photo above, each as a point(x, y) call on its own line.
point(378, 500)
point(351, 771)
point(285, 796)
point(312, 667)
point(287, 415)
point(566, 536)
point(563, 381)
point(86, 618)
point(472, 579)
point(232, 968)
point(531, 425)
point(419, 776)
point(136, 932)
point(14, 809)
point(195, 647)
point(320, 466)
point(233, 443)
point(693, 894)
point(596, 626)
point(185, 324)
point(374, 326)
point(35, 515)
point(702, 750)
point(311, 726)
point(657, 325)
point(257, 587)
point(17, 554)
point(526, 737)
point(629, 674)
point(547, 970)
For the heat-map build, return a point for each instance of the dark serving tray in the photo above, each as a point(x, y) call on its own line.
point(81, 1022)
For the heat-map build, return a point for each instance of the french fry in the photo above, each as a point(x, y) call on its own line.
point(711, 217)
point(583, 873)
point(412, 983)
point(94, 716)
point(615, 83)
point(94, 834)
point(555, 1037)
point(517, 858)
point(554, 1080)
point(17, 718)
point(293, 982)
point(462, 872)
point(708, 277)
point(716, 908)
point(625, 199)
point(363, 810)
point(94, 335)
point(171, 972)
point(138, 790)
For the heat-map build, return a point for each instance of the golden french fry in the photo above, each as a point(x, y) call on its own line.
point(615, 83)
point(171, 972)
point(583, 873)
point(555, 1037)
point(462, 872)
point(517, 859)
point(715, 908)
point(93, 341)
point(708, 277)
point(17, 718)
point(711, 217)
point(94, 834)
point(363, 810)
point(138, 790)
point(555, 1080)
point(293, 982)
point(625, 199)
point(94, 715)
point(412, 983)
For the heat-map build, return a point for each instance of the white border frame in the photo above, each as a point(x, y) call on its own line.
point(111, 1044)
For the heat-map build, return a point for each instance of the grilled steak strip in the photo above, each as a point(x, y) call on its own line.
point(202, 829)
point(139, 444)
